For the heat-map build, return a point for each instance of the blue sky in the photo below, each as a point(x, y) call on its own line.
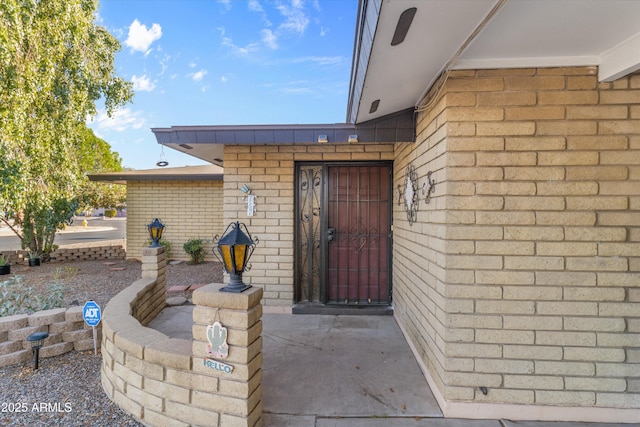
point(225, 62)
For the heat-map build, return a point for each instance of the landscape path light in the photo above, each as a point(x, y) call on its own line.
point(36, 340)
point(233, 250)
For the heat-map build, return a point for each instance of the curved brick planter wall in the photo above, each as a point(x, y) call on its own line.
point(66, 327)
point(166, 381)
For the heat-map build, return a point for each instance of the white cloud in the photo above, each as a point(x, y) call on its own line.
point(142, 83)
point(224, 79)
point(269, 38)
point(255, 6)
point(319, 60)
point(164, 63)
point(315, 88)
point(198, 75)
point(225, 3)
point(121, 120)
point(140, 38)
point(295, 18)
point(323, 31)
point(238, 50)
point(296, 90)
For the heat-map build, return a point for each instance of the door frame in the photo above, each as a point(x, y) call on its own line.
point(323, 264)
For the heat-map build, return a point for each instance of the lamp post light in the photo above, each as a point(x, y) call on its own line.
point(155, 232)
point(36, 339)
point(233, 250)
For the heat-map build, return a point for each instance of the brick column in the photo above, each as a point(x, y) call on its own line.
point(154, 263)
point(233, 397)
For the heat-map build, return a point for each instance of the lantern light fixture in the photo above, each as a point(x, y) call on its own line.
point(155, 230)
point(233, 250)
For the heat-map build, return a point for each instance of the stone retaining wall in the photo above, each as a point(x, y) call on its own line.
point(71, 254)
point(88, 254)
point(168, 381)
point(66, 327)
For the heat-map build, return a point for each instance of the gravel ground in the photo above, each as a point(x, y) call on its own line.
point(66, 389)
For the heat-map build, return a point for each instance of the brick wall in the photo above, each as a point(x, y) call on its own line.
point(268, 170)
point(189, 209)
point(522, 275)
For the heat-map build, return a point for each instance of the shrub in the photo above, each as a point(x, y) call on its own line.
point(110, 213)
point(195, 249)
point(15, 298)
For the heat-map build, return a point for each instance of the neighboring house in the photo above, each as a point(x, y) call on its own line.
point(188, 200)
point(486, 187)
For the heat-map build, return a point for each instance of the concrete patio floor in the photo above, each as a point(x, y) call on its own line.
point(352, 371)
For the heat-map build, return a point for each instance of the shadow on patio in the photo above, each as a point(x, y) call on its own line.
point(330, 367)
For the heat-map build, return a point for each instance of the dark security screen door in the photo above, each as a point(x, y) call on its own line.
point(358, 219)
point(343, 234)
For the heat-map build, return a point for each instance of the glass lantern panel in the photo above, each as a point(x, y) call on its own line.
point(240, 252)
point(225, 251)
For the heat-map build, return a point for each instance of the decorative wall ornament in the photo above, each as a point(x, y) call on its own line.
point(409, 194)
point(217, 337)
point(430, 187)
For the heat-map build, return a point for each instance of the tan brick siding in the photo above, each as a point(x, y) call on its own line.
point(268, 170)
point(189, 209)
point(523, 272)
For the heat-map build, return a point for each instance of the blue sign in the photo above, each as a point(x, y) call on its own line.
point(91, 313)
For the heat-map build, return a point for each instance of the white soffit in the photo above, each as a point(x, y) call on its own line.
point(398, 74)
point(558, 33)
point(212, 153)
point(621, 60)
point(522, 34)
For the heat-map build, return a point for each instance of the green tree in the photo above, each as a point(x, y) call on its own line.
point(55, 65)
point(95, 156)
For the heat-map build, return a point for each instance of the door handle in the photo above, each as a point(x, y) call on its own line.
point(331, 234)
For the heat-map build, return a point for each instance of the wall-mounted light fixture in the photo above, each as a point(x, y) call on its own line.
point(323, 139)
point(353, 139)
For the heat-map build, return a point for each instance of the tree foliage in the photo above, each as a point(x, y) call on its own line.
point(55, 65)
point(95, 156)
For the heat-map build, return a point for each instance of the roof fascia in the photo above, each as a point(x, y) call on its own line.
point(128, 177)
point(366, 25)
point(396, 127)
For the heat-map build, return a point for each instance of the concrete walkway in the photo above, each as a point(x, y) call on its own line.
point(342, 371)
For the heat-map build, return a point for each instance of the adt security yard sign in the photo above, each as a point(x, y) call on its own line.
point(92, 316)
point(91, 313)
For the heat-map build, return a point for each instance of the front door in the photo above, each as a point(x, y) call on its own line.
point(343, 234)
